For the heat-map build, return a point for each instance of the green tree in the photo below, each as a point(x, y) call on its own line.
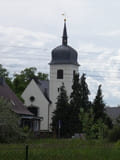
point(98, 104)
point(79, 100)
point(84, 94)
point(62, 114)
point(9, 123)
point(42, 76)
point(75, 95)
point(99, 129)
point(22, 79)
point(75, 105)
point(99, 108)
point(87, 119)
point(5, 74)
point(92, 129)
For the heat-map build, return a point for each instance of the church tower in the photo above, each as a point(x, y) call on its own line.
point(63, 66)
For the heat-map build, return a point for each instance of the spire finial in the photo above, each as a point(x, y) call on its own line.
point(64, 38)
point(63, 14)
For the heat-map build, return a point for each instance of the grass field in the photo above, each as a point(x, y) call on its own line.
point(63, 149)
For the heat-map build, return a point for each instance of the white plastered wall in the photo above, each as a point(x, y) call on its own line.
point(40, 101)
point(56, 83)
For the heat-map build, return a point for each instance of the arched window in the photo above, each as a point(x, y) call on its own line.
point(60, 74)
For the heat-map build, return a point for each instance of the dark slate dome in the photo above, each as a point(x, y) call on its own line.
point(64, 54)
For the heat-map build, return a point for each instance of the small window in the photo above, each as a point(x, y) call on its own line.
point(60, 74)
point(32, 98)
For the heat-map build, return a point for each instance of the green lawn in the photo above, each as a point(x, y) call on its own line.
point(66, 149)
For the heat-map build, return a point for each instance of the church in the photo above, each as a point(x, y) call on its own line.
point(40, 96)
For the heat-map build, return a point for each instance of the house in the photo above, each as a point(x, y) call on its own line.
point(36, 96)
point(27, 118)
point(42, 95)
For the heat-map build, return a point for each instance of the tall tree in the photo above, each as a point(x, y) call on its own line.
point(75, 95)
point(75, 104)
point(79, 101)
point(84, 94)
point(99, 108)
point(98, 104)
point(61, 114)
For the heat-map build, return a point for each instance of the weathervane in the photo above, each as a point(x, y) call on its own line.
point(63, 14)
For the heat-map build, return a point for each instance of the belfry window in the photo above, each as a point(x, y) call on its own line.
point(60, 74)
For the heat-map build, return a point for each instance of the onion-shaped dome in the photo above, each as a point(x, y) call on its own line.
point(64, 54)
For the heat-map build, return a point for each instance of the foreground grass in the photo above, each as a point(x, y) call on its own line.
point(66, 149)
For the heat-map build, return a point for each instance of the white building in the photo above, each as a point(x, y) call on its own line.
point(43, 95)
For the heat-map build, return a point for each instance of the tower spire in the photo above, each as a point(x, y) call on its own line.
point(64, 37)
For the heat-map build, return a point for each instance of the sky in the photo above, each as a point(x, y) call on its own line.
point(30, 29)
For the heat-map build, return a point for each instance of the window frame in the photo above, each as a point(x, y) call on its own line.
point(60, 74)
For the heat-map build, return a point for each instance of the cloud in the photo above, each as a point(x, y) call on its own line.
point(20, 49)
point(101, 66)
point(112, 33)
point(89, 47)
point(21, 36)
point(23, 48)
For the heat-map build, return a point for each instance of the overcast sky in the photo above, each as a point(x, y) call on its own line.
point(30, 29)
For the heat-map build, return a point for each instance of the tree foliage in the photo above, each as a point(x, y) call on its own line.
point(9, 123)
point(19, 81)
point(62, 114)
point(75, 95)
point(79, 100)
point(98, 104)
point(5, 74)
point(75, 105)
point(22, 79)
point(114, 134)
point(87, 119)
point(84, 94)
point(92, 129)
point(99, 108)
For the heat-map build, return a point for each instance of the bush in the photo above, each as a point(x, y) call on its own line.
point(117, 144)
point(9, 124)
point(8, 134)
point(114, 134)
